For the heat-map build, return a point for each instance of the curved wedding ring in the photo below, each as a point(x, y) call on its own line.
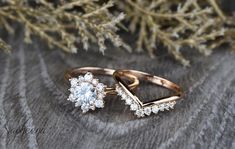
point(144, 109)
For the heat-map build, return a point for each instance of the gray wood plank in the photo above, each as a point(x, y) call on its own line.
point(33, 96)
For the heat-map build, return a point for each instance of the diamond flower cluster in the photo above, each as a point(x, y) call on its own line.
point(87, 92)
point(143, 111)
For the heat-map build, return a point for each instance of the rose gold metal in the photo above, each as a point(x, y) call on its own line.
point(118, 74)
point(74, 72)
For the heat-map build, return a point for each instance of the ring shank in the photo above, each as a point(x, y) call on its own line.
point(74, 72)
point(152, 79)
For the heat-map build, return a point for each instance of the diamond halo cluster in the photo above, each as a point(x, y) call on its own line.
point(143, 111)
point(87, 92)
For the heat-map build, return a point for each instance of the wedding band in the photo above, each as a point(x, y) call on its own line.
point(145, 109)
point(86, 91)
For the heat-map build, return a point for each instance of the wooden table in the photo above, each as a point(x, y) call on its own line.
point(33, 97)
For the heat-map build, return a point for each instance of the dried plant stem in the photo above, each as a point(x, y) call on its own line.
point(61, 25)
point(175, 24)
point(217, 9)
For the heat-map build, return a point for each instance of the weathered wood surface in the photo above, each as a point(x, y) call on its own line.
point(33, 97)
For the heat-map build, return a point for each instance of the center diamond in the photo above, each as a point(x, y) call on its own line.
point(87, 92)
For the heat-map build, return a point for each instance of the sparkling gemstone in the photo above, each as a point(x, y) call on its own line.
point(99, 103)
point(89, 96)
point(155, 109)
point(162, 107)
point(167, 106)
point(147, 110)
point(87, 92)
point(95, 82)
point(88, 77)
point(172, 104)
point(120, 92)
point(80, 79)
point(124, 96)
point(134, 107)
point(76, 91)
point(73, 82)
point(139, 113)
point(71, 98)
point(128, 101)
point(71, 89)
point(100, 86)
point(85, 108)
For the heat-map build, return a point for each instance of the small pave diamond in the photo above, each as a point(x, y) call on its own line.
point(71, 98)
point(100, 87)
point(120, 92)
point(87, 92)
point(124, 96)
point(161, 107)
point(80, 78)
point(95, 81)
point(172, 104)
point(88, 77)
point(128, 101)
point(147, 110)
point(73, 81)
point(155, 109)
point(134, 107)
point(167, 106)
point(139, 113)
point(99, 103)
point(85, 108)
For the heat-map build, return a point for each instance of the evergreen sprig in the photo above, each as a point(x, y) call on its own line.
point(176, 23)
point(64, 24)
point(199, 24)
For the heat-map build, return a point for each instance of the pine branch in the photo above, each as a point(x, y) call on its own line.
point(201, 25)
point(176, 23)
point(66, 24)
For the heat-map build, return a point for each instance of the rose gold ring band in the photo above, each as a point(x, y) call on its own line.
point(118, 74)
point(74, 72)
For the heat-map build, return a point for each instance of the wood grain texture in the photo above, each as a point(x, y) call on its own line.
point(33, 97)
